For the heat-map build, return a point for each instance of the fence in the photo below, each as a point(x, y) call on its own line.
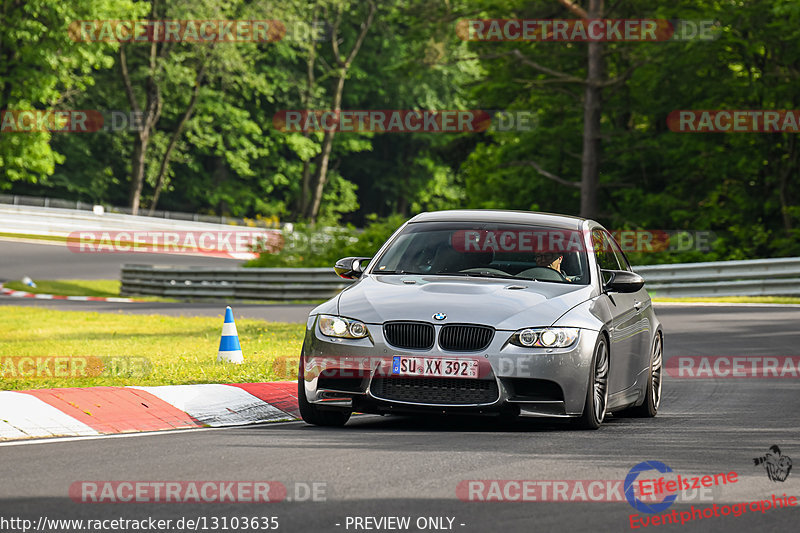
point(77, 205)
point(60, 222)
point(760, 277)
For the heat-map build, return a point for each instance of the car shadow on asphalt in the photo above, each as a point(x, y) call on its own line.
point(452, 423)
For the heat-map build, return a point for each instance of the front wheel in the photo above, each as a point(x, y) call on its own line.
point(314, 415)
point(594, 409)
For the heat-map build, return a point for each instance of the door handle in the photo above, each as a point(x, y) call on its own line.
point(637, 305)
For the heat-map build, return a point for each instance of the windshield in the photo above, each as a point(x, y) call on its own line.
point(513, 251)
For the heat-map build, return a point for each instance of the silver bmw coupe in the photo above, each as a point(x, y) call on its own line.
point(490, 313)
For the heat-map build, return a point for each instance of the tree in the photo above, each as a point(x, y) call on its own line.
point(41, 64)
point(338, 71)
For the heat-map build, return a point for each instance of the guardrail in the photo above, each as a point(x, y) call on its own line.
point(760, 277)
point(756, 277)
point(77, 205)
point(61, 222)
point(232, 283)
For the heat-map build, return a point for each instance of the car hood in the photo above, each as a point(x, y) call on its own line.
point(505, 304)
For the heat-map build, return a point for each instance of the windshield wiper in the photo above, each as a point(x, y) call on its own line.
point(482, 274)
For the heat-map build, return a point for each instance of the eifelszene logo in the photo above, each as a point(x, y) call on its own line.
point(630, 483)
point(777, 465)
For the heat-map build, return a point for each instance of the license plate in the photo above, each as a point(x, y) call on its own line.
point(434, 367)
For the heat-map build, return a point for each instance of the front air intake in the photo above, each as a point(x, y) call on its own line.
point(465, 337)
point(409, 335)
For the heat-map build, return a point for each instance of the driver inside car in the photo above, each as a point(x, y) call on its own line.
point(550, 260)
point(553, 260)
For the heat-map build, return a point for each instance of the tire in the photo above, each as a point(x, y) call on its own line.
point(314, 415)
point(649, 407)
point(594, 409)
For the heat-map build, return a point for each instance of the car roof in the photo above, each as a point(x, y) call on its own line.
point(501, 216)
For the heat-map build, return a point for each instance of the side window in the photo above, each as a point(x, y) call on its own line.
point(621, 259)
point(604, 251)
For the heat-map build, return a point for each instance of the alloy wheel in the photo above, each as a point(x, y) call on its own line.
point(601, 382)
point(655, 371)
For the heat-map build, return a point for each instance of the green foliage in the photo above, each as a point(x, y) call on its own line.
point(741, 186)
point(377, 232)
point(317, 246)
point(231, 159)
point(38, 64)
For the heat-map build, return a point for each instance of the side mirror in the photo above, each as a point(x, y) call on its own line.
point(350, 267)
point(623, 281)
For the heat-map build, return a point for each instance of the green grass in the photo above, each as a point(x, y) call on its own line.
point(177, 350)
point(736, 299)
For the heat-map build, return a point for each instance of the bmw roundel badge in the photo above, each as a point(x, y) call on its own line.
point(439, 316)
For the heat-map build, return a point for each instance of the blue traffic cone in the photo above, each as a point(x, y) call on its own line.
point(229, 349)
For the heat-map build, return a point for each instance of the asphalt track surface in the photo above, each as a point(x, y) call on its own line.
point(400, 466)
point(56, 261)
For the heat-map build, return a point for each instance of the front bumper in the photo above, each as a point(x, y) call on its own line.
point(356, 374)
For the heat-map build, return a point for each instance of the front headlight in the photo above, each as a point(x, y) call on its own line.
point(346, 328)
point(545, 337)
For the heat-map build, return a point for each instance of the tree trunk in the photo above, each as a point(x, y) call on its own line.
point(325, 156)
point(137, 170)
point(165, 160)
point(343, 66)
point(151, 114)
point(305, 186)
point(590, 161)
point(783, 185)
